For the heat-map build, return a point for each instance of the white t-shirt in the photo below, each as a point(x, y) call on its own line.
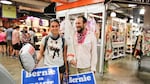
point(53, 55)
point(85, 53)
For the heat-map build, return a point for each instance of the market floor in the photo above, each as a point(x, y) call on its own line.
point(120, 71)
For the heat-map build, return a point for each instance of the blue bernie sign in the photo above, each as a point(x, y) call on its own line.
point(44, 75)
point(84, 78)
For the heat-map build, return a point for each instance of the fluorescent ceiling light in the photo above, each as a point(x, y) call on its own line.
point(92, 15)
point(132, 5)
point(142, 11)
point(5, 2)
point(138, 20)
point(113, 14)
point(131, 21)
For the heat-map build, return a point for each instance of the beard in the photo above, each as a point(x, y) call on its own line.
point(81, 30)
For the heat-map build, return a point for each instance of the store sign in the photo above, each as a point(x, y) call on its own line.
point(9, 11)
point(45, 75)
point(85, 78)
point(44, 22)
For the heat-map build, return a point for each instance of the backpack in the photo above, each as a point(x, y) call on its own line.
point(46, 39)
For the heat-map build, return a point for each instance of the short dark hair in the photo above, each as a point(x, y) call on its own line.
point(17, 27)
point(44, 30)
point(30, 28)
point(84, 19)
point(54, 20)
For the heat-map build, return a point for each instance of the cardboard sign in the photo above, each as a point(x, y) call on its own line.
point(44, 75)
point(84, 78)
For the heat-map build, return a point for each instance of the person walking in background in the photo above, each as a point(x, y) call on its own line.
point(2, 41)
point(32, 34)
point(16, 41)
point(9, 40)
point(82, 57)
point(44, 33)
point(138, 51)
point(53, 49)
point(25, 36)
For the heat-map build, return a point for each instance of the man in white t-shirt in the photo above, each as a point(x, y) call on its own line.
point(82, 53)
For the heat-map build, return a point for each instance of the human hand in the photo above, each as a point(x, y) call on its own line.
point(73, 62)
point(67, 74)
point(36, 65)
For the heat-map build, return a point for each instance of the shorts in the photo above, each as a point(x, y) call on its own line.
point(9, 42)
point(139, 52)
point(2, 43)
point(62, 69)
point(17, 46)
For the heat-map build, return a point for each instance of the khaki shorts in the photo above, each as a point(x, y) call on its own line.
point(9, 42)
point(73, 70)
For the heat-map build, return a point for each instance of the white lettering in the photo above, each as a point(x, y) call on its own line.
point(28, 75)
point(81, 79)
point(38, 73)
point(46, 82)
point(75, 80)
point(33, 74)
point(40, 78)
point(51, 71)
point(41, 73)
point(84, 78)
point(88, 78)
point(44, 73)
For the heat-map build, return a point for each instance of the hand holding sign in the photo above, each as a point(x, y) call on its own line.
point(84, 78)
point(45, 75)
point(50, 75)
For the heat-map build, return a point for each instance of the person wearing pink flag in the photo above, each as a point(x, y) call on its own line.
point(82, 52)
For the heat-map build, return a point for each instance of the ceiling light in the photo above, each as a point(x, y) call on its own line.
point(138, 20)
point(142, 11)
point(5, 2)
point(113, 14)
point(131, 21)
point(132, 5)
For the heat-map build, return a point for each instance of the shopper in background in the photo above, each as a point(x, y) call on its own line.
point(2, 41)
point(138, 47)
point(9, 40)
point(32, 34)
point(54, 53)
point(82, 57)
point(16, 42)
point(25, 36)
point(44, 33)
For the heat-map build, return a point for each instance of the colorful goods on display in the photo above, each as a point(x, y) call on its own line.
point(147, 43)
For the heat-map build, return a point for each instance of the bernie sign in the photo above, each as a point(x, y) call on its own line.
point(45, 75)
point(84, 78)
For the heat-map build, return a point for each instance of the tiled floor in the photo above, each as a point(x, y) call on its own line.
point(120, 71)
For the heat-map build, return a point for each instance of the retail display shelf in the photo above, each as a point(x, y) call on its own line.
point(121, 55)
